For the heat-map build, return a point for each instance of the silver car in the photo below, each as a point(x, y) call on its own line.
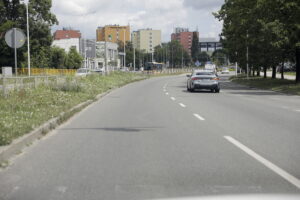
point(202, 79)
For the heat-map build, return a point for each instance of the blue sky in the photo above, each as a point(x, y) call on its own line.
point(87, 15)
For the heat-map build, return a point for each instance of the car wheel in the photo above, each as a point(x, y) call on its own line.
point(217, 90)
point(192, 90)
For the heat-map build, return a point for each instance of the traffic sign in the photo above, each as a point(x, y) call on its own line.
point(197, 63)
point(15, 38)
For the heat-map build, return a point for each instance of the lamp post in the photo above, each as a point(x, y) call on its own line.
point(28, 47)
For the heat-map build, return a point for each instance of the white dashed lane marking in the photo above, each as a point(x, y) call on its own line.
point(182, 105)
point(199, 117)
point(173, 98)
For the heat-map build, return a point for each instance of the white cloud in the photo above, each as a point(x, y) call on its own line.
point(87, 15)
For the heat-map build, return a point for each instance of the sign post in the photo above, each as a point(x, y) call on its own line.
point(15, 38)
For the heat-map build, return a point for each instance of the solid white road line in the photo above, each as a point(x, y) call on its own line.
point(182, 105)
point(199, 117)
point(173, 98)
point(297, 110)
point(290, 178)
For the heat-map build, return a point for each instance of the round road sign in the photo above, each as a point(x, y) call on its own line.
point(10, 38)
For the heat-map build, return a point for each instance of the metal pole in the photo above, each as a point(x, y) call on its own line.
point(15, 48)
point(105, 57)
point(236, 64)
point(247, 57)
point(181, 57)
point(28, 47)
point(133, 58)
point(124, 49)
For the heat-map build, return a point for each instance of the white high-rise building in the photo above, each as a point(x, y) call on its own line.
point(146, 39)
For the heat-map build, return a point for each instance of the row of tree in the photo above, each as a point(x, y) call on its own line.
point(13, 15)
point(262, 34)
point(171, 53)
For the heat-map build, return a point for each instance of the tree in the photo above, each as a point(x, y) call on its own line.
point(13, 14)
point(219, 57)
point(58, 58)
point(73, 59)
point(195, 47)
point(269, 29)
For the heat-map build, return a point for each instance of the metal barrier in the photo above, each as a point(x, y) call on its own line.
point(16, 83)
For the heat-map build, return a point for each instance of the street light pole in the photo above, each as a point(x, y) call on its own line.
point(28, 47)
point(247, 56)
point(236, 64)
point(124, 50)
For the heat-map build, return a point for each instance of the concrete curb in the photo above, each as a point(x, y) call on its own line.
point(7, 152)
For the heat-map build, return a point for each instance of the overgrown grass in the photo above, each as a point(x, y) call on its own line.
point(277, 85)
point(24, 110)
point(289, 73)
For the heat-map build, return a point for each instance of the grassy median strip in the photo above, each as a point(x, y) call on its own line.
point(26, 109)
point(277, 85)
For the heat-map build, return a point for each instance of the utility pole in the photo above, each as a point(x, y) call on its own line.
point(181, 57)
point(133, 58)
point(28, 47)
point(236, 64)
point(247, 56)
point(124, 50)
point(105, 57)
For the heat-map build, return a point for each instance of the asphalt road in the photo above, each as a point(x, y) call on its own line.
point(152, 139)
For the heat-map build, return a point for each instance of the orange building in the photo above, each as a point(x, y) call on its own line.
point(113, 33)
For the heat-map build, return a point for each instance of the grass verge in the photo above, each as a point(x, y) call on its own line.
point(277, 85)
point(24, 110)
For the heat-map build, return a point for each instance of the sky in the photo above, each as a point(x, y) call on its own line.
point(164, 15)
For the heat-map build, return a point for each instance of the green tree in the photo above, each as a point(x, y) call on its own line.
point(58, 58)
point(73, 59)
point(219, 57)
point(195, 47)
point(13, 14)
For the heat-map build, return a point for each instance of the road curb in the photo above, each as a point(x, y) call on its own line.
point(7, 152)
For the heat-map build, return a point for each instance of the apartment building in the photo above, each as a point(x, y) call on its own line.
point(146, 39)
point(113, 33)
point(185, 37)
point(66, 39)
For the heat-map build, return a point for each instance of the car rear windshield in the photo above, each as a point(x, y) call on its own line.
point(204, 73)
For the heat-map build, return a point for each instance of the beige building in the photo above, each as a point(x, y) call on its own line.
point(113, 33)
point(146, 39)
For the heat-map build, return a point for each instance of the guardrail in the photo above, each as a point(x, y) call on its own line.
point(16, 83)
point(169, 71)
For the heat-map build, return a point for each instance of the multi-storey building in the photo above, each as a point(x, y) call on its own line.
point(146, 39)
point(66, 39)
point(185, 37)
point(113, 33)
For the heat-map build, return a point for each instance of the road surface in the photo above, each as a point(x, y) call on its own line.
point(153, 139)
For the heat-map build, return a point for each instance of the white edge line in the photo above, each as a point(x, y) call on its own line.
point(297, 110)
point(182, 105)
point(199, 117)
point(173, 98)
point(290, 178)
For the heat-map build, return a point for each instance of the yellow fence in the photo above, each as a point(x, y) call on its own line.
point(46, 71)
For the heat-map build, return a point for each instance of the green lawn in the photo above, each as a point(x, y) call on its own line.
point(278, 85)
point(22, 111)
point(289, 73)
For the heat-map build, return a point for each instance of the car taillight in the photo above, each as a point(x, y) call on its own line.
point(215, 79)
point(195, 78)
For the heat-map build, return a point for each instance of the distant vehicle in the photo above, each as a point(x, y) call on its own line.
point(153, 66)
point(210, 67)
point(97, 71)
point(82, 72)
point(203, 79)
point(225, 70)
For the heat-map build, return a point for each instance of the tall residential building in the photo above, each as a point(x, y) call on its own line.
point(185, 37)
point(66, 39)
point(113, 33)
point(146, 39)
